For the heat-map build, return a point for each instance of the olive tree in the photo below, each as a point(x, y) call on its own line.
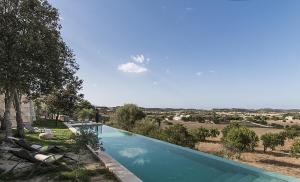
point(295, 149)
point(126, 116)
point(34, 59)
point(239, 138)
point(272, 140)
point(178, 134)
point(200, 134)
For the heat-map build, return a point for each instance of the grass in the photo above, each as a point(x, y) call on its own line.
point(62, 135)
point(82, 174)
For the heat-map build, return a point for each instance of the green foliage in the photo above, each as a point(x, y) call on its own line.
point(239, 138)
point(62, 135)
point(229, 127)
point(278, 126)
point(292, 132)
point(34, 59)
point(126, 116)
point(84, 137)
point(295, 149)
point(200, 134)
point(85, 114)
point(179, 135)
point(65, 99)
point(147, 126)
point(271, 140)
point(82, 174)
point(258, 119)
point(194, 117)
point(84, 104)
point(214, 132)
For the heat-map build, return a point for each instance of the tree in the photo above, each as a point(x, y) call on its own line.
point(295, 149)
point(240, 139)
point(85, 114)
point(179, 135)
point(126, 116)
point(214, 132)
point(84, 104)
point(229, 127)
point(34, 59)
point(65, 99)
point(272, 140)
point(148, 127)
point(291, 132)
point(200, 134)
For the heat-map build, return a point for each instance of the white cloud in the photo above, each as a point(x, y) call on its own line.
point(199, 73)
point(131, 67)
point(139, 58)
point(188, 9)
point(212, 71)
point(132, 152)
point(155, 83)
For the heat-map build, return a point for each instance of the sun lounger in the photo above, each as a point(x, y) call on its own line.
point(35, 158)
point(31, 129)
point(36, 148)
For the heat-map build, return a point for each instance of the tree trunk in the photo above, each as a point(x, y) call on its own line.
point(2, 124)
point(7, 121)
point(19, 120)
point(56, 119)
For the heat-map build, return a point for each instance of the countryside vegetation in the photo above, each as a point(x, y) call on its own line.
point(37, 64)
point(199, 129)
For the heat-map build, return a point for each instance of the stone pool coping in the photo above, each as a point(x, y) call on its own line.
point(121, 172)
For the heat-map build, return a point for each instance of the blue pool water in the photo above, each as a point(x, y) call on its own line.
point(156, 161)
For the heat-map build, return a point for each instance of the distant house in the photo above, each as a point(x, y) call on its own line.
point(179, 117)
point(28, 112)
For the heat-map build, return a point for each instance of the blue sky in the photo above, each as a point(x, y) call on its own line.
point(186, 53)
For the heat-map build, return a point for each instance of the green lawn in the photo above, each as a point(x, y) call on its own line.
point(62, 135)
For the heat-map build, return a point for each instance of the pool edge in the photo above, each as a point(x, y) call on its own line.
point(121, 172)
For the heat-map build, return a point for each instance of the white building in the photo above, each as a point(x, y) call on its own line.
point(28, 112)
point(289, 118)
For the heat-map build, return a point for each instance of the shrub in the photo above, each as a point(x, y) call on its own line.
point(272, 140)
point(126, 116)
point(295, 149)
point(179, 135)
point(239, 138)
point(200, 134)
point(291, 132)
point(278, 126)
point(229, 127)
point(85, 114)
point(214, 132)
point(146, 126)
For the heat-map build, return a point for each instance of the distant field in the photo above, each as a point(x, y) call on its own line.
point(191, 125)
point(277, 161)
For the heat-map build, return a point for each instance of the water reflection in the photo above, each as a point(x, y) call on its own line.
point(132, 152)
point(141, 161)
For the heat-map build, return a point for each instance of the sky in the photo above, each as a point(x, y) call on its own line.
point(186, 53)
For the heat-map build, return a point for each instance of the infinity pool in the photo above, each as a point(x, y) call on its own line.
point(156, 161)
